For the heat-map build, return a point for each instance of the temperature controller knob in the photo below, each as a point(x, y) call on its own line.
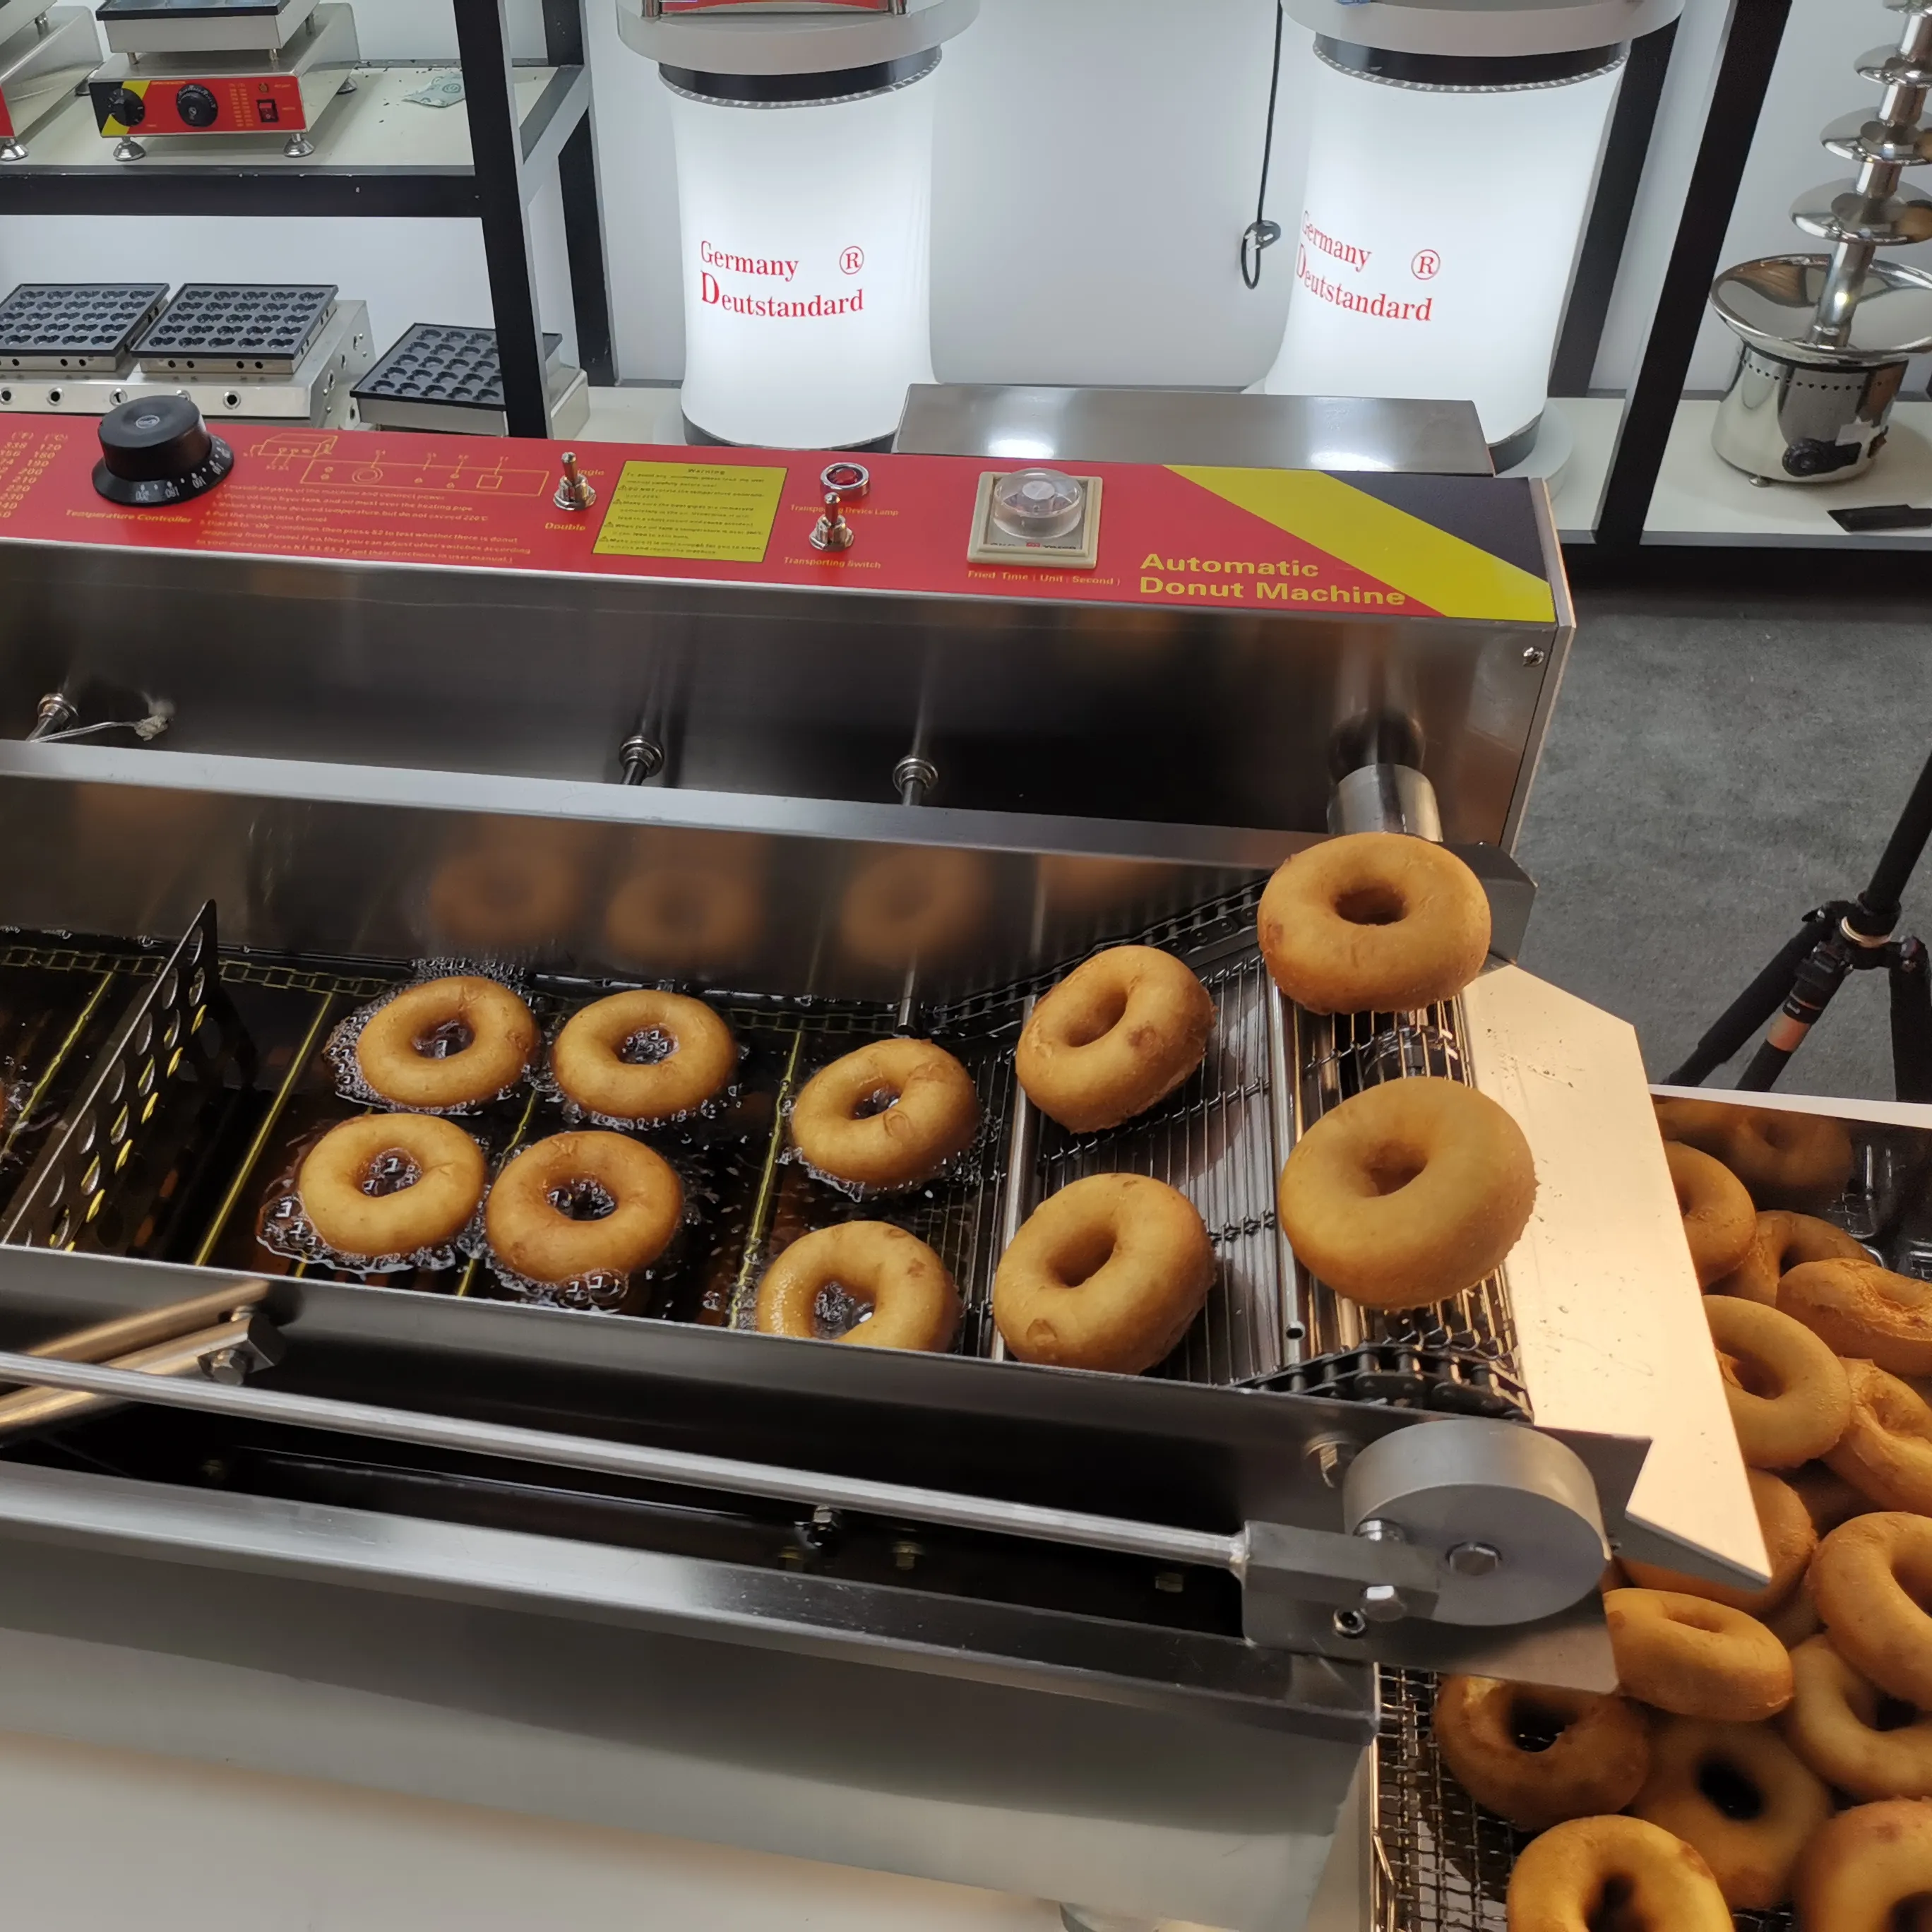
point(158, 451)
point(126, 106)
point(197, 106)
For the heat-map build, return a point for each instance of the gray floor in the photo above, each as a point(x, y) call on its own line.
point(1712, 775)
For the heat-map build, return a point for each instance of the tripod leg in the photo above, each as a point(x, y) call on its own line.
point(1911, 1023)
point(1813, 987)
point(1752, 1009)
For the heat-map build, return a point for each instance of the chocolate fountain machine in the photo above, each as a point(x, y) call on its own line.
point(1824, 340)
point(1127, 1643)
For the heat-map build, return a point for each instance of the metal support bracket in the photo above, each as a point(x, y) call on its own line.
point(1288, 1569)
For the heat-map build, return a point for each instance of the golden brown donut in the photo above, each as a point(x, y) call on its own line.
point(1786, 1160)
point(1833, 1725)
point(1788, 1538)
point(1886, 1450)
point(1861, 1309)
point(912, 1301)
point(1109, 1273)
point(685, 916)
point(1789, 1396)
point(1577, 1875)
point(1741, 1796)
point(1408, 1192)
point(1719, 1222)
point(1784, 1241)
point(534, 1231)
point(1869, 1870)
point(1872, 1576)
point(386, 1184)
point(1696, 1658)
point(918, 902)
point(1537, 1756)
point(644, 1056)
point(1119, 1033)
point(890, 1115)
point(447, 1043)
point(1374, 922)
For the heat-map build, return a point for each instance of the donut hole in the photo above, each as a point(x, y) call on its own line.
point(445, 1042)
point(1911, 1915)
point(583, 1200)
point(869, 1106)
point(1535, 1725)
point(1109, 1007)
point(390, 1172)
point(1376, 904)
point(1390, 1169)
point(836, 1311)
point(651, 1047)
point(1729, 1790)
point(1083, 1255)
point(1614, 1908)
point(1893, 1713)
point(1754, 1378)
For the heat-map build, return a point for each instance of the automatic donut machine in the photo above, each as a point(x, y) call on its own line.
point(853, 754)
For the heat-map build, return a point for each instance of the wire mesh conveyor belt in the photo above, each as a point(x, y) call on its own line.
point(1219, 1139)
point(1441, 1863)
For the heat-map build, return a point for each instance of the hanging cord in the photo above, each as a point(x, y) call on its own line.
point(1261, 233)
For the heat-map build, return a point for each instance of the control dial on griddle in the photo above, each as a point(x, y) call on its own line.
point(197, 106)
point(158, 451)
point(127, 107)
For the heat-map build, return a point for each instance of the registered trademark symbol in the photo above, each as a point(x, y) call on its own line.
point(852, 260)
point(1427, 265)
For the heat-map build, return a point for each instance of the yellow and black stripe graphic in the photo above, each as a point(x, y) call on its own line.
point(1446, 541)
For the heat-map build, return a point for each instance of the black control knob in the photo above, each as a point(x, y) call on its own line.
point(126, 106)
point(158, 451)
point(196, 106)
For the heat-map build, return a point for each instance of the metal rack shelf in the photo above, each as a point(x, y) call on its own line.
point(376, 156)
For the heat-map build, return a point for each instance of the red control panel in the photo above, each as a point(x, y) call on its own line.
point(232, 105)
point(1223, 541)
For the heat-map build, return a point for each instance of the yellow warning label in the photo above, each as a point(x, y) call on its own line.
point(704, 512)
point(1445, 572)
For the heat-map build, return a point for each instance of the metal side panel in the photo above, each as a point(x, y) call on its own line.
point(1151, 1814)
point(1610, 1323)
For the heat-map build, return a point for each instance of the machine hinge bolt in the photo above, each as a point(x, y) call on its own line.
point(576, 492)
point(912, 778)
point(1534, 654)
point(1351, 1624)
point(1379, 1529)
point(1382, 1603)
point(641, 758)
point(906, 1553)
point(1475, 1559)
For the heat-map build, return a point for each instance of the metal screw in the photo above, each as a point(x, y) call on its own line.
point(1331, 1455)
point(1382, 1603)
point(228, 1366)
point(906, 1554)
point(1351, 1624)
point(912, 778)
point(1534, 654)
point(641, 758)
point(1379, 1529)
point(1475, 1559)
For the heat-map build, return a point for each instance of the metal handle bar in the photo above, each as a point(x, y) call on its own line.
point(1158, 1542)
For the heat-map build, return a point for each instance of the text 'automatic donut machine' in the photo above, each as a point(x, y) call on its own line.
point(851, 750)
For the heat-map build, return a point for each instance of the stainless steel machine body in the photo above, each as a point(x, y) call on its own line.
point(1092, 1638)
point(45, 52)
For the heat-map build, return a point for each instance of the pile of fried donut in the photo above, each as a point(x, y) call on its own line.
point(1403, 1195)
point(1768, 1747)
